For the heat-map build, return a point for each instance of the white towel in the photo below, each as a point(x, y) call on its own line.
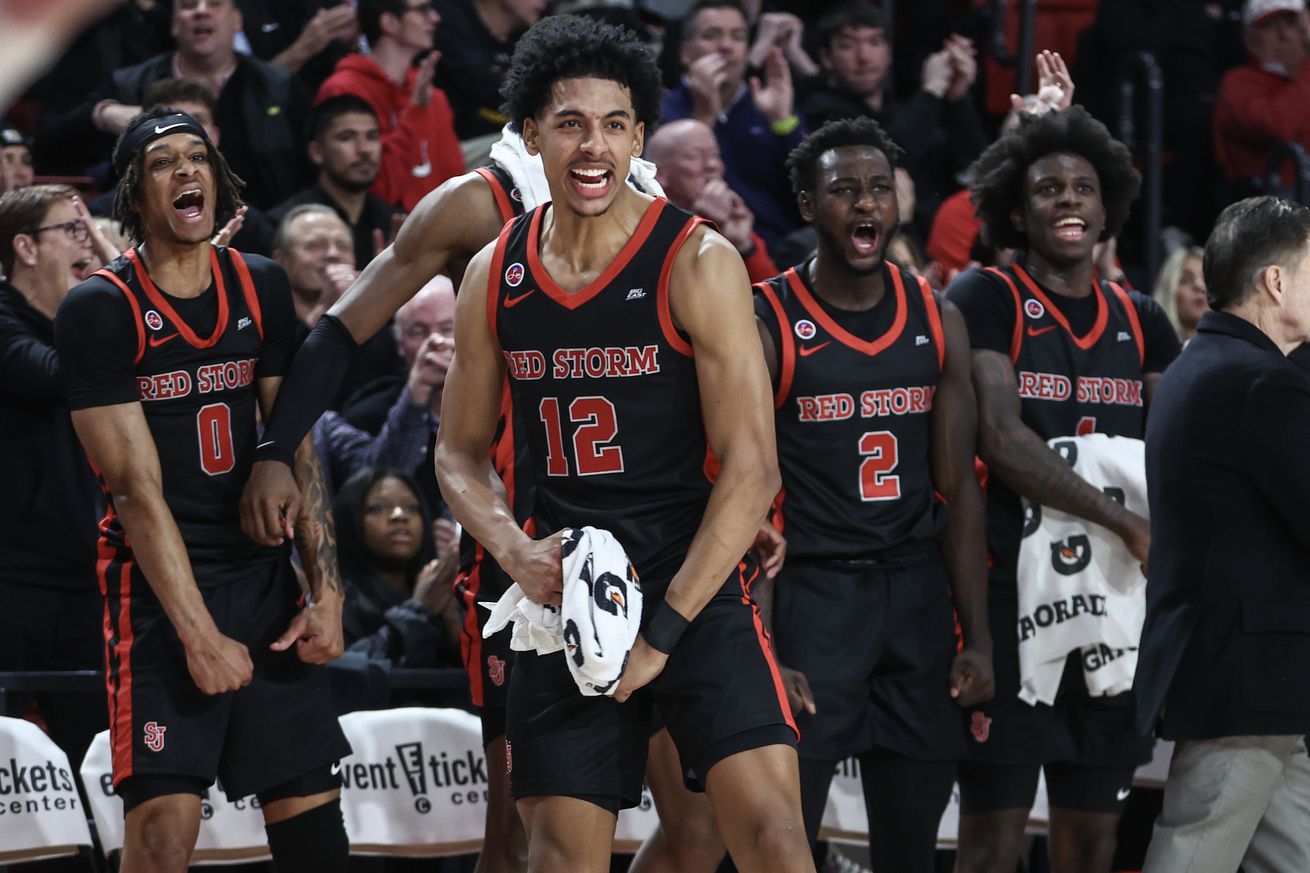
point(529, 177)
point(598, 620)
point(1079, 587)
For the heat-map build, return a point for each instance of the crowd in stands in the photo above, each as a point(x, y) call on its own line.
point(339, 118)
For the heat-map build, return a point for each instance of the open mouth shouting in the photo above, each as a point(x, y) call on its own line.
point(591, 181)
point(1071, 228)
point(865, 236)
point(190, 204)
point(82, 268)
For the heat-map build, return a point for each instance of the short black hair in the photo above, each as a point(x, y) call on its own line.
point(127, 197)
point(329, 110)
point(574, 47)
point(802, 163)
point(858, 14)
point(1248, 236)
point(1000, 171)
point(168, 92)
point(689, 19)
point(370, 14)
point(348, 510)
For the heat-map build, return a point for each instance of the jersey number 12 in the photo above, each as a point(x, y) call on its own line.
point(597, 427)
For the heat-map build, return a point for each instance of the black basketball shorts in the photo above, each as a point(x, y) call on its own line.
point(719, 694)
point(280, 726)
point(875, 640)
point(488, 662)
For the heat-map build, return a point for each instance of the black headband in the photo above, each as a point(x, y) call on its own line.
point(136, 138)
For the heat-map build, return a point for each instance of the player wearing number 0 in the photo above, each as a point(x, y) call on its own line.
point(624, 328)
point(875, 411)
point(211, 658)
point(1057, 351)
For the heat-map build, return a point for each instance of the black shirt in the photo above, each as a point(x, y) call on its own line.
point(52, 500)
point(193, 364)
point(472, 66)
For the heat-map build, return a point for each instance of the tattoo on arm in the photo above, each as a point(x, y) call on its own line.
point(316, 536)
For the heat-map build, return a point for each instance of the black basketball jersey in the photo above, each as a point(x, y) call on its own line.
point(853, 417)
point(1068, 384)
point(606, 389)
point(508, 199)
point(197, 387)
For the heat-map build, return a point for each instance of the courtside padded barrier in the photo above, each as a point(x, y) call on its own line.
point(41, 815)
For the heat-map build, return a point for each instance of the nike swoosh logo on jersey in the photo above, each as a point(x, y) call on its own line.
point(1036, 331)
point(156, 341)
point(511, 302)
point(806, 351)
point(159, 130)
point(1122, 794)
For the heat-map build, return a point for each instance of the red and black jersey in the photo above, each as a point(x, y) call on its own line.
point(1079, 363)
point(605, 386)
point(193, 365)
point(508, 199)
point(854, 401)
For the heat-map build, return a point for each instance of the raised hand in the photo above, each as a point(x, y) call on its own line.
point(774, 96)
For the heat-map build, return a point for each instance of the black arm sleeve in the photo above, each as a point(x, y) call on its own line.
point(1158, 335)
point(988, 309)
point(308, 389)
point(96, 340)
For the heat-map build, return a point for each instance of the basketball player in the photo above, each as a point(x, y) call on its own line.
point(875, 411)
point(624, 326)
point(446, 229)
point(1052, 187)
point(167, 353)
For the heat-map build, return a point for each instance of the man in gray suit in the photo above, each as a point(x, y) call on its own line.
point(1224, 665)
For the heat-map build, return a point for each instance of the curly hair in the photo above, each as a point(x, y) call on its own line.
point(1000, 171)
point(802, 163)
point(572, 47)
point(127, 197)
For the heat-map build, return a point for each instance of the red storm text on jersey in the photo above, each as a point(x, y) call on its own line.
point(606, 389)
point(853, 418)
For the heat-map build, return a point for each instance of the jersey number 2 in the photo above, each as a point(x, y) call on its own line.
point(880, 452)
point(597, 426)
point(214, 427)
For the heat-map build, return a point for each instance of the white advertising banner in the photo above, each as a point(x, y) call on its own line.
point(416, 783)
point(636, 824)
point(230, 831)
point(41, 815)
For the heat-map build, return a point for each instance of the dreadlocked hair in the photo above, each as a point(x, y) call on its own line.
point(127, 195)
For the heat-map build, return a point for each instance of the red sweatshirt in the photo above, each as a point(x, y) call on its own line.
point(1256, 109)
point(419, 146)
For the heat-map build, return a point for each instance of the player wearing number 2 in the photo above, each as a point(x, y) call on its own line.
point(875, 411)
point(623, 326)
point(211, 662)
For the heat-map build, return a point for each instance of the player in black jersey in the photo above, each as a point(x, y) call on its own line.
point(446, 229)
point(594, 305)
point(211, 653)
point(1057, 352)
point(875, 411)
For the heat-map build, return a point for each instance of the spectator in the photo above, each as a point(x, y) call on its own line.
point(305, 37)
point(399, 602)
point(315, 247)
point(260, 105)
point(52, 608)
point(419, 147)
point(476, 40)
point(688, 167)
point(345, 144)
point(1180, 290)
point(755, 124)
point(424, 333)
point(15, 160)
point(1264, 102)
point(253, 231)
point(938, 127)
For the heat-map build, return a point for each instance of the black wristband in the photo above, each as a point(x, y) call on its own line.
point(665, 628)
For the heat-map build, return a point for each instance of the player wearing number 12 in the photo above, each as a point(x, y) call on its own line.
point(212, 665)
point(875, 411)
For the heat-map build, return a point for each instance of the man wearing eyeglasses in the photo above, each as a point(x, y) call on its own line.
point(53, 611)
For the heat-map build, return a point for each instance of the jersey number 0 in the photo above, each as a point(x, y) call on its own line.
point(214, 428)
